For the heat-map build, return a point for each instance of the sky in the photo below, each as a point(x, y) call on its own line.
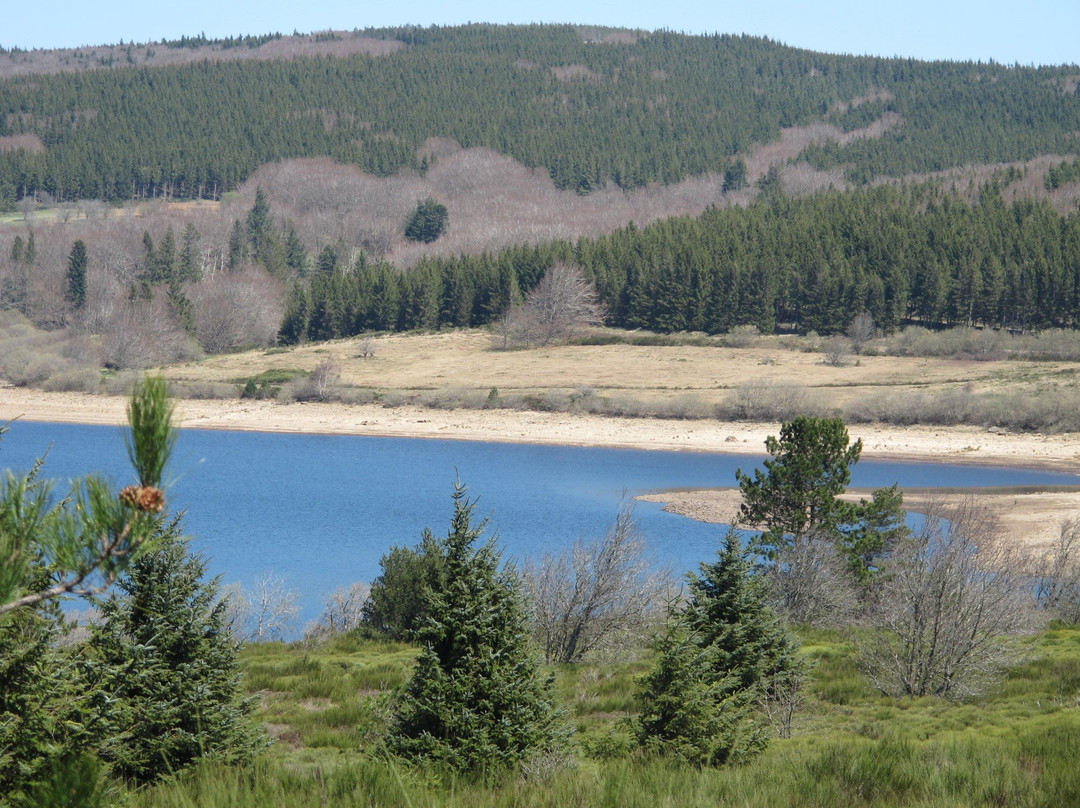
point(1039, 32)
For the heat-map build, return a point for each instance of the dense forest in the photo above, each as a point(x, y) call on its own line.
point(810, 264)
point(628, 108)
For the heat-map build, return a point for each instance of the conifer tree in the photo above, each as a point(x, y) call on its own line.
point(165, 669)
point(76, 275)
point(477, 699)
point(723, 656)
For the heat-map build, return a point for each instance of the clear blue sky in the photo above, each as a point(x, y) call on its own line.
point(1008, 31)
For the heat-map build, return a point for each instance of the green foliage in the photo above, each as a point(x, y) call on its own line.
point(878, 528)
point(735, 176)
point(722, 656)
point(152, 435)
point(655, 107)
point(93, 534)
point(798, 492)
point(427, 222)
point(398, 604)
point(1015, 746)
point(76, 275)
point(796, 501)
point(165, 669)
point(38, 720)
point(477, 700)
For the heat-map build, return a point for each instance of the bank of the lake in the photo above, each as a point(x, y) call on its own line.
point(956, 444)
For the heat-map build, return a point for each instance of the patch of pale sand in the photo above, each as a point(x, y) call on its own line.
point(953, 444)
point(1030, 519)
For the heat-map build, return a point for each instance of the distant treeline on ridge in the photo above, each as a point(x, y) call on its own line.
point(631, 108)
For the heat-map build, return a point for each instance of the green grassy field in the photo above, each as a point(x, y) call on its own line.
point(850, 746)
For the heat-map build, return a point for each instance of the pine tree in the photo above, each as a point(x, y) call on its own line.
point(798, 493)
point(427, 222)
point(477, 699)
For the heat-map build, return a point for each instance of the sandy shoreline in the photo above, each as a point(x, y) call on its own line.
point(1034, 518)
point(952, 444)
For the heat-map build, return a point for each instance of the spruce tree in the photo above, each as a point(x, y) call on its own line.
point(76, 275)
point(165, 669)
point(722, 657)
point(477, 700)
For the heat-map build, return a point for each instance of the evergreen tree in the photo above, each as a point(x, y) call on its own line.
point(238, 248)
point(735, 176)
point(721, 657)
point(76, 275)
point(167, 670)
point(38, 721)
point(397, 605)
point(427, 222)
point(477, 699)
point(190, 261)
point(798, 493)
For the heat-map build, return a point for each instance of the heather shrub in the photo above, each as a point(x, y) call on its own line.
point(761, 400)
point(73, 380)
point(742, 336)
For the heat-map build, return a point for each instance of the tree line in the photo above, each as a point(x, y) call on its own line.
point(911, 254)
point(647, 108)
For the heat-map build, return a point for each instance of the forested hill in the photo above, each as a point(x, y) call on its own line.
point(613, 106)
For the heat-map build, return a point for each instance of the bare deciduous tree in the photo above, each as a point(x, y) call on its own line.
point(265, 612)
point(861, 330)
point(141, 333)
point(811, 584)
point(597, 596)
point(342, 610)
point(562, 304)
point(951, 608)
point(236, 310)
point(837, 350)
point(1057, 574)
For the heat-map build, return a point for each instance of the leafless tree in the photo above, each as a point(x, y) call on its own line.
point(837, 350)
point(236, 309)
point(342, 611)
point(599, 596)
point(1057, 574)
point(366, 346)
point(562, 304)
point(265, 612)
point(811, 584)
point(951, 608)
point(861, 330)
point(141, 333)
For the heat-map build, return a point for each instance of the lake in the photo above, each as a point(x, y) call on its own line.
point(320, 510)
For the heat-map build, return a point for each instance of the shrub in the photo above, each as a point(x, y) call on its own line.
point(761, 400)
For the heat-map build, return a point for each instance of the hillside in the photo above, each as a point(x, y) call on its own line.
point(630, 108)
point(229, 194)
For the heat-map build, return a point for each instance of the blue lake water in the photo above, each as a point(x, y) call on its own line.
point(321, 510)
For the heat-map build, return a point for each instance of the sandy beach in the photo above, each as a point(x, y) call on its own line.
point(1033, 517)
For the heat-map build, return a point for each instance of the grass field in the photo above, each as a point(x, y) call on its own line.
point(703, 372)
point(850, 746)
